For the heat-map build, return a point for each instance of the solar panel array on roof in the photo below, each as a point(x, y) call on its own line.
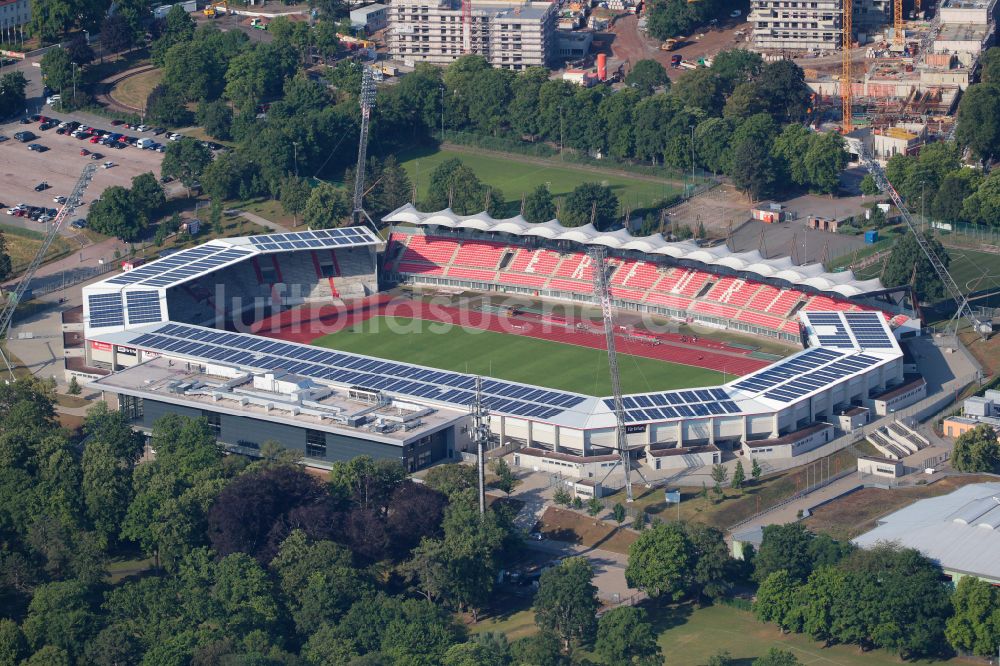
point(830, 329)
point(868, 329)
point(353, 370)
point(821, 378)
point(311, 240)
point(181, 265)
point(106, 310)
point(143, 306)
point(787, 369)
point(691, 403)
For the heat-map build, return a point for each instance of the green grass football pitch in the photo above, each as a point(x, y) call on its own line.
point(512, 357)
point(515, 176)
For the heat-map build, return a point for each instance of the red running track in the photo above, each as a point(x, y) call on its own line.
point(307, 323)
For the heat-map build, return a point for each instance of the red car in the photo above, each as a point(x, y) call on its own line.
point(95, 139)
point(84, 151)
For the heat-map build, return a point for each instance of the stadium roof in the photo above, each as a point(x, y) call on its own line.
point(194, 262)
point(960, 530)
point(843, 283)
point(776, 387)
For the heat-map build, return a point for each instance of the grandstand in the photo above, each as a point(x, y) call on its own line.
point(166, 331)
point(684, 281)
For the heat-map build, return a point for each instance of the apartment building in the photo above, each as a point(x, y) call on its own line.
point(13, 13)
point(510, 36)
point(812, 25)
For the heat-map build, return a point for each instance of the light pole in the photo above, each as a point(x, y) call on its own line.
point(442, 114)
point(295, 157)
point(692, 160)
point(74, 82)
point(560, 133)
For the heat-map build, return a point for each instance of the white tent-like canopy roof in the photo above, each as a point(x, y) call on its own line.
point(843, 283)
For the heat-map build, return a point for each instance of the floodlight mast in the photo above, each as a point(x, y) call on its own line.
point(601, 289)
point(481, 435)
point(7, 314)
point(983, 328)
point(367, 101)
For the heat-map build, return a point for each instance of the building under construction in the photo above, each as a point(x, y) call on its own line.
point(800, 25)
point(507, 35)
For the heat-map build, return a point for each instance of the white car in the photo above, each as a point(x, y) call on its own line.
point(108, 165)
point(54, 98)
point(141, 128)
point(174, 137)
point(59, 199)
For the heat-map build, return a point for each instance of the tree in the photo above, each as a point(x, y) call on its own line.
point(776, 657)
point(594, 506)
point(13, 647)
point(414, 512)
point(561, 496)
point(50, 655)
point(908, 264)
point(117, 34)
point(777, 598)
point(976, 451)
point(590, 202)
point(737, 66)
point(6, 266)
point(670, 18)
point(720, 474)
point(216, 117)
point(538, 205)
point(818, 602)
point(618, 513)
point(115, 214)
point(566, 602)
point(12, 86)
point(661, 562)
point(646, 76)
point(721, 658)
point(110, 453)
point(756, 470)
point(185, 160)
point(782, 88)
point(625, 636)
point(739, 476)
point(868, 186)
point(455, 185)
point(700, 89)
point(983, 206)
point(74, 386)
point(975, 626)
point(542, 649)
point(294, 196)
point(60, 615)
point(57, 69)
point(451, 480)
point(956, 187)
point(166, 105)
point(506, 481)
point(824, 161)
point(712, 143)
point(784, 547)
point(473, 654)
point(978, 125)
point(147, 193)
point(989, 61)
point(752, 169)
point(366, 482)
point(714, 568)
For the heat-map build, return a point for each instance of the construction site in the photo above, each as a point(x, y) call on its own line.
point(896, 86)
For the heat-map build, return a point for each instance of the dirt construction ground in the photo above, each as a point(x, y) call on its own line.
point(633, 45)
point(61, 165)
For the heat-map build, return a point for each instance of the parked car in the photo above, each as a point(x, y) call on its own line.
point(44, 185)
point(24, 137)
point(53, 99)
point(37, 147)
point(47, 125)
point(4, 138)
point(116, 123)
point(84, 152)
point(158, 131)
point(25, 121)
point(108, 164)
point(60, 130)
point(96, 156)
point(141, 128)
point(174, 137)
point(78, 224)
point(59, 199)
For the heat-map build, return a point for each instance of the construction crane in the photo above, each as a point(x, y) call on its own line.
point(603, 293)
point(845, 75)
point(897, 23)
point(467, 26)
point(367, 100)
point(7, 314)
point(983, 328)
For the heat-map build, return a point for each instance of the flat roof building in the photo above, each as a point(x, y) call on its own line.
point(507, 35)
point(958, 530)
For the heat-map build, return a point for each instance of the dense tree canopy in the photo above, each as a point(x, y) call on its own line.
point(977, 450)
point(907, 264)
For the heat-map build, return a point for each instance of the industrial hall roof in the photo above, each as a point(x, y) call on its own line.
point(960, 530)
point(843, 283)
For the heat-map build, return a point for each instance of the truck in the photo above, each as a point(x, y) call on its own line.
point(668, 45)
point(258, 23)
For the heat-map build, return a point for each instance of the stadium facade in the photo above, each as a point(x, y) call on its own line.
point(172, 353)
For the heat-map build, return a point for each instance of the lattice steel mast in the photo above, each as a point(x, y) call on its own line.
point(846, 94)
point(983, 328)
point(367, 101)
point(7, 314)
point(603, 293)
point(481, 435)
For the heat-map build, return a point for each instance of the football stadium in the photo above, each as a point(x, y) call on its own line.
point(340, 342)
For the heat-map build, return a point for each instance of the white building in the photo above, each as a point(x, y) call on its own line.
point(371, 18)
point(14, 13)
point(510, 36)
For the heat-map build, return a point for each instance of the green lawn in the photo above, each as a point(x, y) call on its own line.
point(690, 636)
point(511, 357)
point(515, 175)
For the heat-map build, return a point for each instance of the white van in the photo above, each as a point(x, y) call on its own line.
point(144, 143)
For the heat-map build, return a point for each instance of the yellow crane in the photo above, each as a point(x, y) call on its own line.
point(845, 75)
point(215, 9)
point(897, 10)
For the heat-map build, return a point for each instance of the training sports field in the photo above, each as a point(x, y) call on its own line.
point(515, 175)
point(512, 357)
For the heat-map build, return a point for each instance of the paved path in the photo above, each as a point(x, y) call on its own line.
point(609, 567)
point(262, 221)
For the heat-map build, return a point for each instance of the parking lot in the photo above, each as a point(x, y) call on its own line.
point(22, 169)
